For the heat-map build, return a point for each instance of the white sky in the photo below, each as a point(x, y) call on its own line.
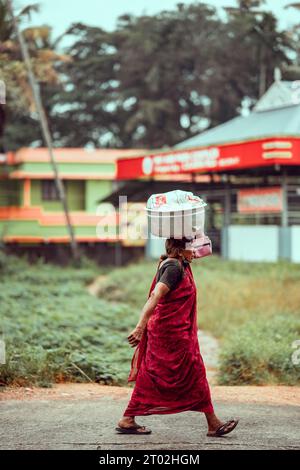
point(59, 14)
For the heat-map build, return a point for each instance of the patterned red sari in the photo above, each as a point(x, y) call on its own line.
point(167, 365)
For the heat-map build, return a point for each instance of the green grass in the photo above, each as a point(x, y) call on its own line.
point(52, 326)
point(261, 352)
point(255, 305)
point(229, 293)
point(56, 331)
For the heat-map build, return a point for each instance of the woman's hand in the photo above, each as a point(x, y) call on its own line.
point(157, 293)
point(135, 336)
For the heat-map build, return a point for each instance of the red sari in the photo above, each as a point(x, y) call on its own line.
point(167, 365)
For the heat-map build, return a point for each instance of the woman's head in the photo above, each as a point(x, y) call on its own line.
point(176, 248)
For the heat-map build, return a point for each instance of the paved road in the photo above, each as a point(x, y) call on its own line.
point(90, 423)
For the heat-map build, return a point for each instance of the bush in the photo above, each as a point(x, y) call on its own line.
point(56, 331)
point(260, 352)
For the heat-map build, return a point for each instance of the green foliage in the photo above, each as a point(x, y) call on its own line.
point(255, 305)
point(56, 331)
point(260, 352)
point(135, 290)
point(229, 292)
point(156, 80)
point(53, 327)
point(153, 81)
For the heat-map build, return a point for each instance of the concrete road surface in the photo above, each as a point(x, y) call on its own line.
point(90, 424)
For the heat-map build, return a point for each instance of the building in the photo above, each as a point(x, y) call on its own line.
point(248, 171)
point(31, 214)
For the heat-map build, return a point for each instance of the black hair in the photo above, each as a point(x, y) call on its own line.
point(173, 245)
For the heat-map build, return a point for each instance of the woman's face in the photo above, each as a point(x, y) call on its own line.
point(188, 255)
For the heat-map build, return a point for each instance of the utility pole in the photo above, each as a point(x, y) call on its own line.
point(45, 129)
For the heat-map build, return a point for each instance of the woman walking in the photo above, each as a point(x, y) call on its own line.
point(167, 365)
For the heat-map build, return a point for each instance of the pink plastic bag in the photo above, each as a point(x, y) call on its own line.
point(201, 246)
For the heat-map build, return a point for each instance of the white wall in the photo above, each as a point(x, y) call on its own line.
point(295, 243)
point(253, 242)
point(155, 247)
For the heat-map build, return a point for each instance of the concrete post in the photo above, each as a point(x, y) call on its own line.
point(284, 231)
point(226, 223)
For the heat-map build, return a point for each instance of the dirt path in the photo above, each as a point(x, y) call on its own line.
point(95, 286)
point(209, 347)
point(272, 395)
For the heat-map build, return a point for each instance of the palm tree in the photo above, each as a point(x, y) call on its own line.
point(12, 68)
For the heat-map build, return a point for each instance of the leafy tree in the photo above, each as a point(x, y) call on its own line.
point(160, 67)
point(22, 127)
point(154, 81)
point(83, 110)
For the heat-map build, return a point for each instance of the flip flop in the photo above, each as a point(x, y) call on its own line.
point(134, 430)
point(224, 428)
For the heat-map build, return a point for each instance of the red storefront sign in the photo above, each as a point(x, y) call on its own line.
point(260, 200)
point(241, 155)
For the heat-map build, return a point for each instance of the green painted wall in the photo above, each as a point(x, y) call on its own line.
point(10, 193)
point(32, 228)
point(3, 193)
point(75, 191)
point(95, 190)
point(81, 195)
point(75, 194)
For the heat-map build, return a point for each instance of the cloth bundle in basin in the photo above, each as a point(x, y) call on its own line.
point(176, 214)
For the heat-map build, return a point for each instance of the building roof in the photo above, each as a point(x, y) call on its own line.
point(280, 94)
point(276, 114)
point(267, 136)
point(72, 155)
point(277, 122)
point(73, 163)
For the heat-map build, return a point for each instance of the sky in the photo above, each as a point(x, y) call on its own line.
point(59, 14)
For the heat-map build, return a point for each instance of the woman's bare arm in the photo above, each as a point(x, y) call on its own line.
point(158, 292)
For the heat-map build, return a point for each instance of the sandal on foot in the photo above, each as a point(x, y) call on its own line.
point(225, 428)
point(134, 430)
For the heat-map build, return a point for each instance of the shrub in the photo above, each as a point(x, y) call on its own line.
point(260, 352)
point(56, 331)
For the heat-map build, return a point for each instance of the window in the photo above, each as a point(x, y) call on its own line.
point(49, 191)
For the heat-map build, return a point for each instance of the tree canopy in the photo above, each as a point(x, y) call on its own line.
point(153, 81)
